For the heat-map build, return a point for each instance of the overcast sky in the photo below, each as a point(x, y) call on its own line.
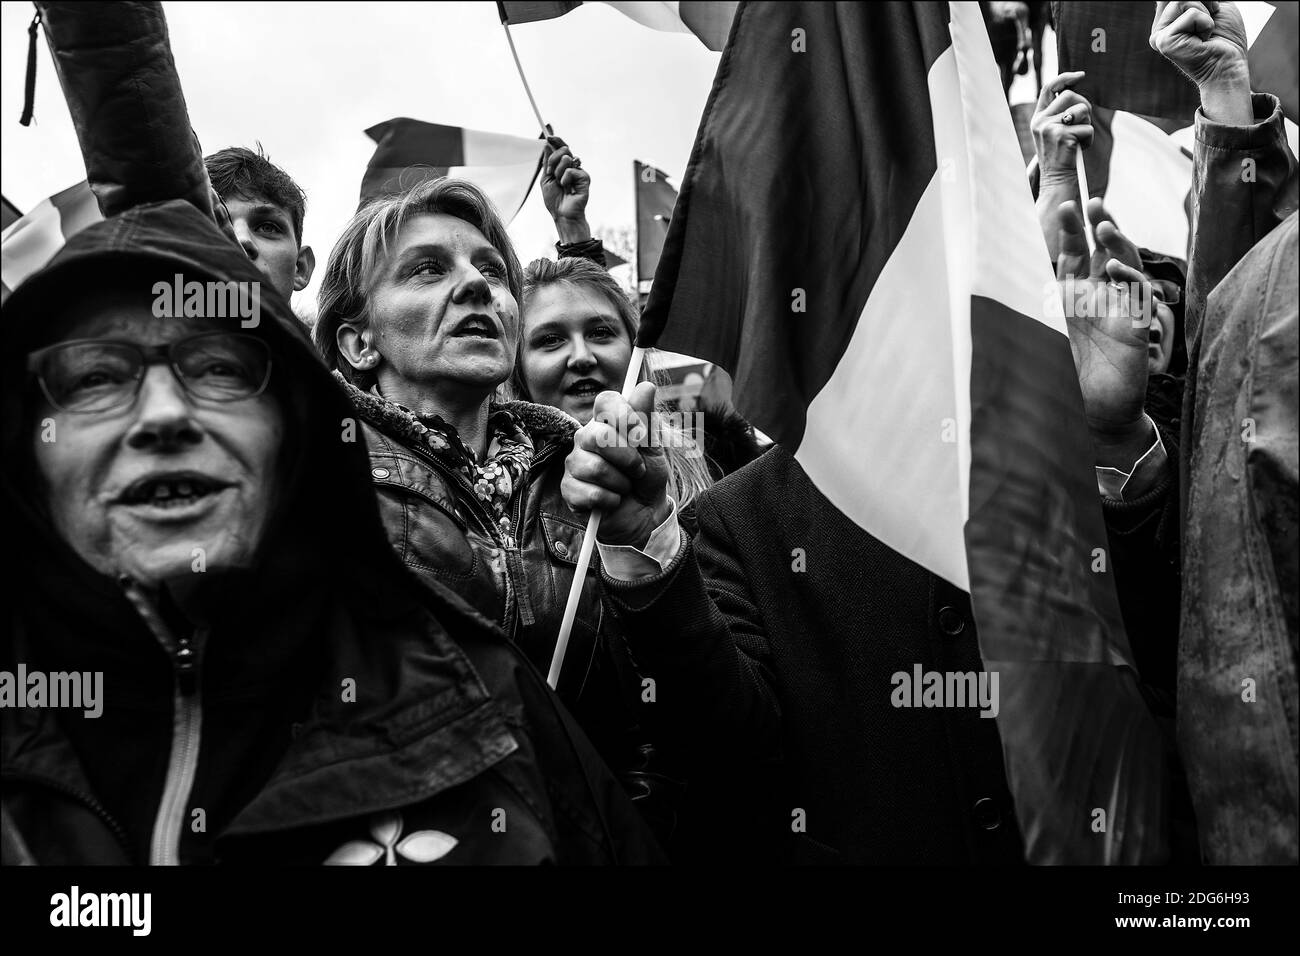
point(306, 79)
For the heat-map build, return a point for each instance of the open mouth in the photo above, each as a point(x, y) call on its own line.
point(170, 491)
point(477, 327)
point(586, 388)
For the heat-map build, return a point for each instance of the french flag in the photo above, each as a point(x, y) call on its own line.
point(31, 241)
point(409, 151)
point(872, 275)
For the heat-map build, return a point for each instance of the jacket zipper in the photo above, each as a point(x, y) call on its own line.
point(187, 724)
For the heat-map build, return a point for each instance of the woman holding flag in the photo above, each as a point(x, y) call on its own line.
point(419, 315)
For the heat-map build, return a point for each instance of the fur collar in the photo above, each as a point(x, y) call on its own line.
point(544, 424)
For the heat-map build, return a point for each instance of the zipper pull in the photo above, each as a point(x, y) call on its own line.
point(186, 660)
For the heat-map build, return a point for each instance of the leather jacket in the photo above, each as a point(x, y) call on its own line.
point(444, 534)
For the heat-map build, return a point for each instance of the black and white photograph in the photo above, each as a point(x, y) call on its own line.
point(838, 446)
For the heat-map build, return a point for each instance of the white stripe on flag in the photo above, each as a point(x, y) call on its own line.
point(965, 238)
point(1150, 177)
point(663, 16)
point(506, 186)
point(479, 148)
point(29, 243)
point(881, 439)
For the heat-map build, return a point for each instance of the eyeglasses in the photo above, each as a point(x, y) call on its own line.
point(98, 375)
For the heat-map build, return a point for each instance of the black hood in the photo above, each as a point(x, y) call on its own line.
point(327, 525)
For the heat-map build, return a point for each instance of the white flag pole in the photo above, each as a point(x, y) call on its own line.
point(536, 112)
point(1083, 199)
point(588, 542)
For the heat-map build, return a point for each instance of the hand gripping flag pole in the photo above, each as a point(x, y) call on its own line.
point(588, 542)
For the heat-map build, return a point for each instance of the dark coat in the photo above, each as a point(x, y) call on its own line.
point(777, 680)
point(449, 724)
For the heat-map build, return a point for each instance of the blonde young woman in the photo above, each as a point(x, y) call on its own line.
point(578, 333)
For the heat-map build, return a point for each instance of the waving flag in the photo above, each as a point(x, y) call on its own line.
point(905, 340)
point(31, 241)
point(710, 21)
point(409, 152)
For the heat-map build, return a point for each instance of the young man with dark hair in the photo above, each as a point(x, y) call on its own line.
point(266, 210)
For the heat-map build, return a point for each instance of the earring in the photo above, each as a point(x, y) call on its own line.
point(368, 359)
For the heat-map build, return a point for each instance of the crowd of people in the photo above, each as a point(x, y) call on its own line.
point(323, 572)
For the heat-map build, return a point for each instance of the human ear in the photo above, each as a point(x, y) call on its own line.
point(354, 346)
point(303, 269)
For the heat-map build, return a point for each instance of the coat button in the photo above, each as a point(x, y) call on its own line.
point(986, 814)
point(561, 549)
point(951, 621)
point(380, 472)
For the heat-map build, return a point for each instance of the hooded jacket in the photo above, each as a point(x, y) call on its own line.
point(333, 710)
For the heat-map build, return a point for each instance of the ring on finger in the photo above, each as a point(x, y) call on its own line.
point(1067, 119)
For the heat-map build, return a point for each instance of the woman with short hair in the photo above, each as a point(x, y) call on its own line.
point(420, 315)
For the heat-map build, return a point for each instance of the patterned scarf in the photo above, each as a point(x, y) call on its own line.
point(509, 454)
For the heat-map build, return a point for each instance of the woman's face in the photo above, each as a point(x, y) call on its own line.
point(151, 486)
point(441, 311)
point(574, 347)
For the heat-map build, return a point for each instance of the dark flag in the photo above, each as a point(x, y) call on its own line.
point(1109, 40)
point(409, 152)
point(654, 208)
point(878, 287)
point(532, 12)
point(1273, 58)
point(709, 20)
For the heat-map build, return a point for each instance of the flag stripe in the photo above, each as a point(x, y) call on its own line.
point(30, 242)
point(1047, 618)
point(409, 152)
point(830, 267)
point(530, 12)
point(708, 20)
point(408, 142)
point(890, 407)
